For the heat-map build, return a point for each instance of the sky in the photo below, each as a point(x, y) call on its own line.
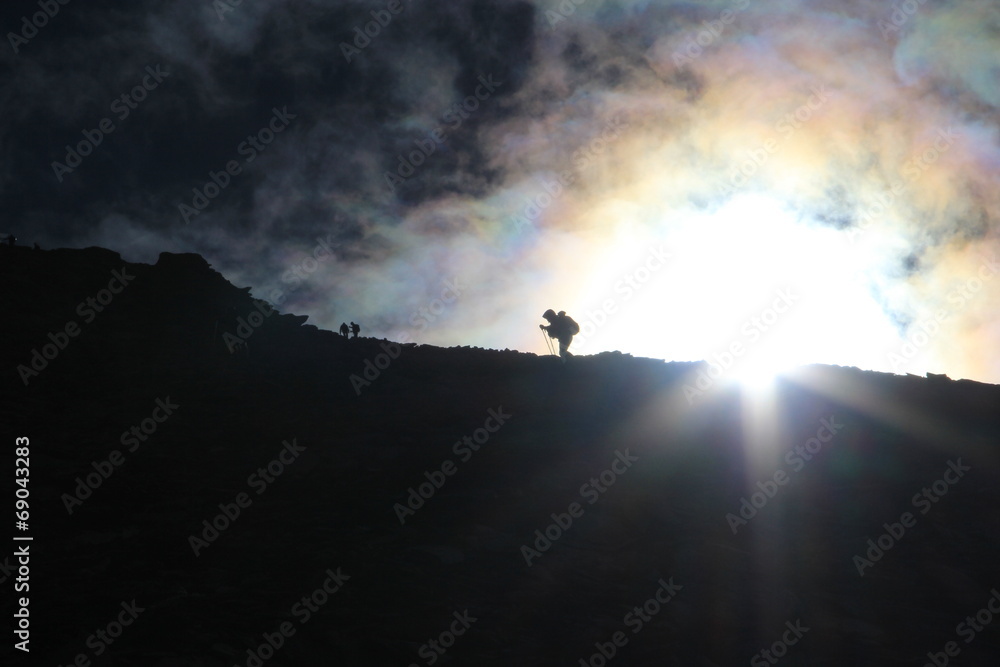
point(755, 183)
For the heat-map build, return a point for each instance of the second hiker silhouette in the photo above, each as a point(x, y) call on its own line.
point(344, 330)
point(355, 329)
point(562, 327)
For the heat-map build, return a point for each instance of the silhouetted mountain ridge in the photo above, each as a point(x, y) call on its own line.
point(514, 438)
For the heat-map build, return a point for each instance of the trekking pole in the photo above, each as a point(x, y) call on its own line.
point(548, 343)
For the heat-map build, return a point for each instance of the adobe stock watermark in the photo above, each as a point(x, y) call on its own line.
point(246, 326)
point(420, 319)
point(924, 500)
point(554, 189)
point(122, 106)
point(7, 570)
point(562, 12)
point(302, 610)
point(591, 491)
point(779, 649)
point(456, 114)
point(250, 147)
point(626, 286)
point(753, 329)
point(968, 290)
point(911, 171)
point(796, 458)
point(260, 480)
point(132, 438)
point(901, 13)
point(635, 620)
point(920, 336)
point(88, 310)
point(434, 648)
point(786, 126)
point(30, 27)
point(698, 41)
point(464, 450)
point(381, 18)
point(424, 316)
point(103, 638)
point(23, 613)
point(298, 273)
point(969, 628)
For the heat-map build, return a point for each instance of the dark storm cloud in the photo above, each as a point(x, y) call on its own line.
point(228, 68)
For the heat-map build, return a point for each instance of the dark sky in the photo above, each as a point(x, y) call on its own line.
point(226, 69)
point(468, 164)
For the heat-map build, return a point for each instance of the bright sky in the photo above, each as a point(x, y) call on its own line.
point(840, 155)
point(816, 159)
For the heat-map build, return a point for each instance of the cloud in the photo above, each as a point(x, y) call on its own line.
point(614, 125)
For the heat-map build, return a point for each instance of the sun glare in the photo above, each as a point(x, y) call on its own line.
point(749, 288)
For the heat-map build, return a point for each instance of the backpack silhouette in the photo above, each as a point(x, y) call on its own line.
point(572, 328)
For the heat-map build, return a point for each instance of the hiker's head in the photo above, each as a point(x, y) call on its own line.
point(562, 313)
point(549, 314)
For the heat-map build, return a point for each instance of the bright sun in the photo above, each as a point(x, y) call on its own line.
point(749, 288)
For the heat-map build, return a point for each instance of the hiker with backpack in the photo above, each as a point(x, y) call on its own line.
point(562, 327)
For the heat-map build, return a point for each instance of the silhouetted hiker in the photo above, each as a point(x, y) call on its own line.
point(36, 246)
point(562, 327)
point(355, 329)
point(344, 330)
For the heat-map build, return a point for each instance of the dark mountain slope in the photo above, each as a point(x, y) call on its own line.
point(656, 524)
